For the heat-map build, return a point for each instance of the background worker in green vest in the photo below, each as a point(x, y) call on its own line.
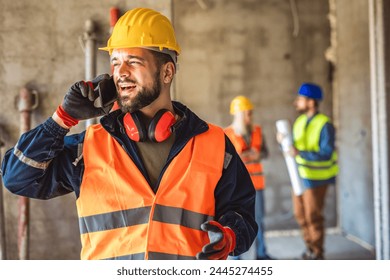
point(314, 151)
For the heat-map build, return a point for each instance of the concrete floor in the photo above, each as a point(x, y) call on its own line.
point(288, 245)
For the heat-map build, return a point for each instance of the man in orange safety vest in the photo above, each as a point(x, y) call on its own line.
point(250, 144)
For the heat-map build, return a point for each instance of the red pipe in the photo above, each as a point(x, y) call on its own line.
point(23, 228)
point(114, 15)
point(25, 106)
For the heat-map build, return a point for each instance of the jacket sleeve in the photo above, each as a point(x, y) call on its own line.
point(40, 164)
point(235, 200)
point(327, 145)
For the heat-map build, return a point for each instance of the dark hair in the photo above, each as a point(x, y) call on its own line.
point(161, 58)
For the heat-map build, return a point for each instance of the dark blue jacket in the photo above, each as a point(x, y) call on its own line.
point(45, 164)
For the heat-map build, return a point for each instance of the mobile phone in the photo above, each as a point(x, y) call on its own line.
point(107, 93)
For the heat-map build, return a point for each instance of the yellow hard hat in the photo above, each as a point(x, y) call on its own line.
point(142, 27)
point(240, 103)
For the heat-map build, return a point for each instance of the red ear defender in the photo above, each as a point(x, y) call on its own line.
point(134, 128)
point(160, 128)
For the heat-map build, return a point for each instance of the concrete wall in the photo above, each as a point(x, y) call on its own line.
point(352, 96)
point(229, 48)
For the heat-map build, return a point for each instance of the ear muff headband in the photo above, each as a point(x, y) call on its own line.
point(160, 127)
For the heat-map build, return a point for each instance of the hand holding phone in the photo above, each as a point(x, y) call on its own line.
point(107, 95)
point(91, 99)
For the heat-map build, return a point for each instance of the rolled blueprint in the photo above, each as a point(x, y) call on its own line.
point(284, 127)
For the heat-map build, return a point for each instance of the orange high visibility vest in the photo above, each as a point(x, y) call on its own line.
point(121, 217)
point(255, 168)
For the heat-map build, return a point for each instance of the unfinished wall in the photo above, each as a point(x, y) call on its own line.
point(352, 96)
point(229, 48)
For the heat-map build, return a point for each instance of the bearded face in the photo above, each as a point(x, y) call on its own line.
point(301, 104)
point(136, 74)
point(143, 97)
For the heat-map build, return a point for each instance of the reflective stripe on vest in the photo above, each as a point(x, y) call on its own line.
point(121, 218)
point(307, 138)
point(255, 168)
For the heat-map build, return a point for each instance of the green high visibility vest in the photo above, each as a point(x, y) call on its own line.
point(307, 138)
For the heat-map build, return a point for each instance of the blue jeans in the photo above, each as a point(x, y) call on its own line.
point(259, 216)
point(259, 242)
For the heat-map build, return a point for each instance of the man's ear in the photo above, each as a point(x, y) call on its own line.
point(312, 103)
point(168, 72)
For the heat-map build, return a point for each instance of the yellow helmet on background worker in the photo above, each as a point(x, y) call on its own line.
point(239, 104)
point(143, 27)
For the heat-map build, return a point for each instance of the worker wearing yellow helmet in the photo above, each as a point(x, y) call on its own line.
point(152, 180)
point(249, 142)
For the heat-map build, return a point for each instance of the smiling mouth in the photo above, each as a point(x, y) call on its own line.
point(126, 87)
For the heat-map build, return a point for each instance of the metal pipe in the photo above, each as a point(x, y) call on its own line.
point(90, 56)
point(24, 228)
point(27, 102)
point(380, 141)
point(3, 248)
point(172, 18)
point(114, 16)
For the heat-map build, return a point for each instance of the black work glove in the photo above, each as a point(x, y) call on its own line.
point(222, 242)
point(85, 100)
